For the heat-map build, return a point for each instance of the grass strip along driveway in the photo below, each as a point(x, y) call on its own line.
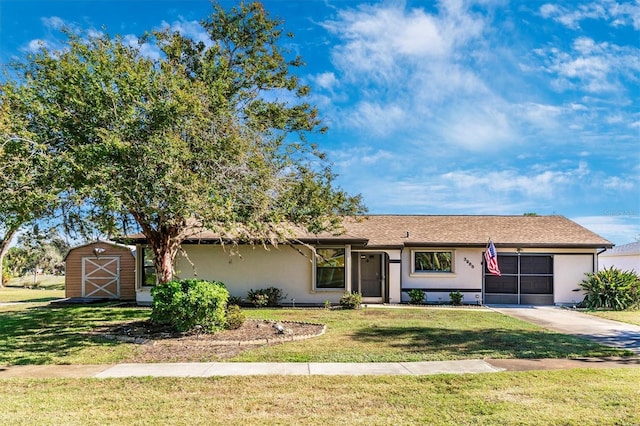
point(40, 334)
point(630, 317)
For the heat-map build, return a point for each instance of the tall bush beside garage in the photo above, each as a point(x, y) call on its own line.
point(611, 289)
point(188, 304)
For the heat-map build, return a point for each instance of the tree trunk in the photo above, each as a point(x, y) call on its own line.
point(4, 248)
point(164, 244)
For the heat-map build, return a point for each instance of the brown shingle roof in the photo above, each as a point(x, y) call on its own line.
point(453, 231)
point(538, 231)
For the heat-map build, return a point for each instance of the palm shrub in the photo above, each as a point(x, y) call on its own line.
point(187, 304)
point(611, 289)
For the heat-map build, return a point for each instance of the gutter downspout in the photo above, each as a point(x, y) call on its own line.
point(598, 259)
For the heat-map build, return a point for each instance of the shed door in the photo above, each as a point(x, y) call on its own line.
point(101, 277)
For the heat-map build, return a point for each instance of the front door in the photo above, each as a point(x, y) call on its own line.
point(371, 277)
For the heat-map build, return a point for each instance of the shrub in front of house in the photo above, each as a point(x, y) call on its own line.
point(456, 298)
point(611, 289)
point(351, 300)
point(416, 296)
point(265, 297)
point(235, 317)
point(190, 304)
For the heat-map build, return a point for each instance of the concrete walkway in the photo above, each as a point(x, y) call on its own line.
point(212, 369)
point(567, 321)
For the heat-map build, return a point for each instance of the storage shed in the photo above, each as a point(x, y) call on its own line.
point(101, 270)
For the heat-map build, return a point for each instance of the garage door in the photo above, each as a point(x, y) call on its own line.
point(525, 280)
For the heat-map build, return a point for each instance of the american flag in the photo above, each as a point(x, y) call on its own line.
point(491, 256)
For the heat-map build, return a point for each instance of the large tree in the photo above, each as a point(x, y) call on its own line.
point(205, 135)
point(27, 188)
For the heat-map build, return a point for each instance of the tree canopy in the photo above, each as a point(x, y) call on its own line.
point(202, 135)
point(27, 187)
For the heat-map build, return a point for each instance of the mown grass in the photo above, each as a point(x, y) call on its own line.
point(630, 317)
point(415, 334)
point(36, 334)
point(571, 397)
point(14, 294)
point(50, 282)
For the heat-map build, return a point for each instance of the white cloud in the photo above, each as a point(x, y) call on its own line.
point(592, 67)
point(379, 119)
point(191, 29)
point(617, 14)
point(619, 227)
point(55, 23)
point(326, 80)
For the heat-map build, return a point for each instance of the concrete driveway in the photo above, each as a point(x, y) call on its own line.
point(567, 321)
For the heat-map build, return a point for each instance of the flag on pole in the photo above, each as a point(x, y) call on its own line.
point(491, 256)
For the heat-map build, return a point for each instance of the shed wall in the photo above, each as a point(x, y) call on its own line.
point(73, 269)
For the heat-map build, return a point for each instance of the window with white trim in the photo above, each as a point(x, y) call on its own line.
point(432, 261)
point(330, 268)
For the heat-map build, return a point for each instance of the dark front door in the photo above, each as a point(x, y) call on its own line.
point(371, 276)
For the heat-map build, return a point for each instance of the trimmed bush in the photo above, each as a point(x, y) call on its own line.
point(235, 317)
point(264, 297)
point(416, 296)
point(456, 298)
point(351, 300)
point(611, 289)
point(188, 304)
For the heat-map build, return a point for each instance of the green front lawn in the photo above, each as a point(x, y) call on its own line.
point(17, 294)
point(410, 334)
point(49, 282)
point(36, 334)
point(568, 397)
point(630, 317)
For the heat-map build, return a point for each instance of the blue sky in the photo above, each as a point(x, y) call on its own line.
point(441, 107)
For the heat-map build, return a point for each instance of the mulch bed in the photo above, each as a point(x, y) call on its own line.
point(161, 344)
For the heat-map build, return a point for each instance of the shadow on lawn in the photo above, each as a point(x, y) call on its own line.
point(41, 335)
point(487, 342)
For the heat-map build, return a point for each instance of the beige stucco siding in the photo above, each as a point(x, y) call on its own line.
point(569, 271)
point(466, 275)
point(283, 267)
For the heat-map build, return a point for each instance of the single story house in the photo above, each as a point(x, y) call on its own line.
point(542, 259)
point(100, 270)
point(625, 257)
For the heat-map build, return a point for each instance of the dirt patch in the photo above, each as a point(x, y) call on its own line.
point(161, 344)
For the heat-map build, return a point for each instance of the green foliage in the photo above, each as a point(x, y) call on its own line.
point(234, 300)
point(611, 289)
point(416, 295)
point(37, 249)
point(5, 276)
point(235, 317)
point(221, 150)
point(265, 297)
point(351, 300)
point(188, 304)
point(456, 297)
